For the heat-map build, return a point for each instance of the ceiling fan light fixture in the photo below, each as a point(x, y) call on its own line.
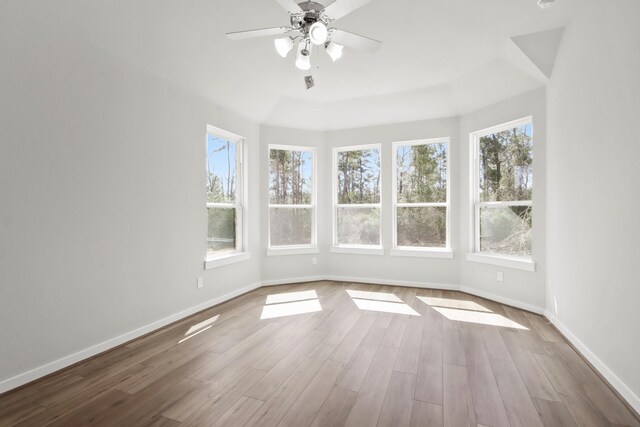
point(283, 46)
point(303, 58)
point(334, 50)
point(318, 33)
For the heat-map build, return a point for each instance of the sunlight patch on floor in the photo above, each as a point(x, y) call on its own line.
point(468, 311)
point(199, 328)
point(453, 303)
point(193, 335)
point(385, 307)
point(291, 296)
point(290, 308)
point(377, 296)
point(202, 324)
point(383, 302)
point(290, 304)
point(480, 317)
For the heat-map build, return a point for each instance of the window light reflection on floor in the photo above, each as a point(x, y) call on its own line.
point(491, 319)
point(193, 335)
point(290, 304)
point(202, 324)
point(453, 303)
point(469, 311)
point(291, 296)
point(199, 328)
point(380, 301)
point(377, 296)
point(385, 307)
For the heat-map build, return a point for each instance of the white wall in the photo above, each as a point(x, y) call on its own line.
point(418, 271)
point(518, 285)
point(592, 162)
point(283, 268)
point(102, 218)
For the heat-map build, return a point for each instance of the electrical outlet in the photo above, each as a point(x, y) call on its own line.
point(200, 282)
point(314, 260)
point(500, 276)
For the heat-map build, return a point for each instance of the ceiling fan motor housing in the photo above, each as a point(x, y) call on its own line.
point(311, 15)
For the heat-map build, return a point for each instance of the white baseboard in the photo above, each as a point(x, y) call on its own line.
point(387, 282)
point(288, 281)
point(615, 382)
point(503, 300)
point(86, 353)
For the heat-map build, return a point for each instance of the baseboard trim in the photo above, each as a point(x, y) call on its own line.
point(503, 300)
point(616, 383)
point(66, 361)
point(408, 284)
point(288, 281)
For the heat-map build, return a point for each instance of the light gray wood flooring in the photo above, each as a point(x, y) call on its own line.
point(332, 354)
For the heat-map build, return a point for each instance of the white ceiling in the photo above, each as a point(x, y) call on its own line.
point(439, 58)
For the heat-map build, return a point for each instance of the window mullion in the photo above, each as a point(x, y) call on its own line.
point(361, 206)
point(279, 206)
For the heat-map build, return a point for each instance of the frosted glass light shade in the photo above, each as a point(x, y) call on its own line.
point(303, 62)
point(318, 33)
point(334, 50)
point(283, 45)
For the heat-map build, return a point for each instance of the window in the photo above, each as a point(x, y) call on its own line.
point(502, 189)
point(356, 213)
point(224, 194)
point(291, 197)
point(420, 195)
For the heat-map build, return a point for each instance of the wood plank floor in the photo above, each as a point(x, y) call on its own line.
point(332, 354)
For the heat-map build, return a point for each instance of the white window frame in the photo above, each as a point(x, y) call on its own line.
point(345, 248)
point(434, 252)
point(295, 249)
point(241, 253)
point(517, 262)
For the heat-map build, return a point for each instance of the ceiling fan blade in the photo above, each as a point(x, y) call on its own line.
point(290, 6)
point(263, 32)
point(340, 8)
point(354, 41)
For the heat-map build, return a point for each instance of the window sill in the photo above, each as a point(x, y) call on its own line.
point(220, 260)
point(292, 250)
point(422, 252)
point(358, 250)
point(503, 261)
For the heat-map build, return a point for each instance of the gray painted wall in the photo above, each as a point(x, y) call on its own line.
point(102, 224)
point(594, 149)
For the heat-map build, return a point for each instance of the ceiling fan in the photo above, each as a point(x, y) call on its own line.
point(310, 25)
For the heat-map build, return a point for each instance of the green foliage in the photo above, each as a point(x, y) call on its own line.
point(506, 176)
point(288, 182)
point(421, 177)
point(506, 230)
point(359, 177)
point(421, 173)
point(358, 226)
point(422, 226)
point(505, 165)
point(290, 175)
point(290, 226)
point(221, 229)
